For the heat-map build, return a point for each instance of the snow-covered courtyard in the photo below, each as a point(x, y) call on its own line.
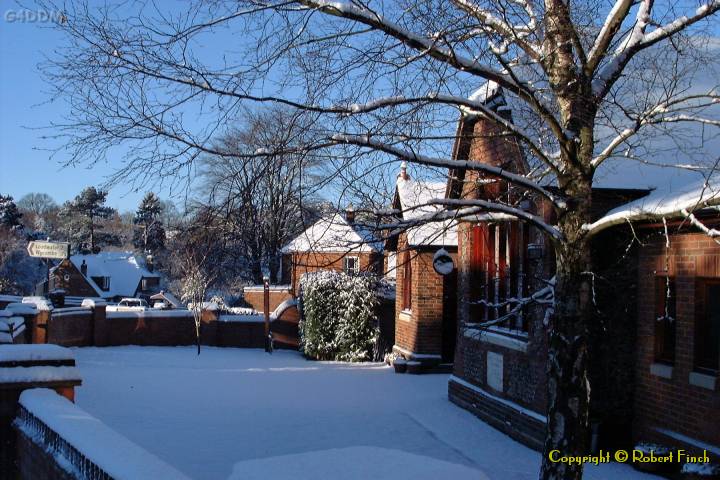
point(244, 414)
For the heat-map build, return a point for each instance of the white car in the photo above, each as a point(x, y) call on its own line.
point(129, 305)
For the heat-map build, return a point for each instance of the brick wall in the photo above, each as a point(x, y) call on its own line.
point(52, 443)
point(301, 263)
point(76, 285)
point(255, 296)
point(94, 326)
point(34, 461)
point(71, 327)
point(674, 403)
point(522, 378)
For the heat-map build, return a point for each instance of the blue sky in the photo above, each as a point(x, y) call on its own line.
point(25, 107)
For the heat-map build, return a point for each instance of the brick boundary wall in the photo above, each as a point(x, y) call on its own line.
point(71, 327)
point(58, 440)
point(96, 327)
point(35, 461)
point(526, 429)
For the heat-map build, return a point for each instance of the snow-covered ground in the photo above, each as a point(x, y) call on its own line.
point(250, 415)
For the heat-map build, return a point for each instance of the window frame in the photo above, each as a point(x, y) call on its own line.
point(499, 265)
point(356, 268)
point(703, 339)
point(407, 282)
point(665, 328)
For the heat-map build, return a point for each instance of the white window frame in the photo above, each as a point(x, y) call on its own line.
point(356, 268)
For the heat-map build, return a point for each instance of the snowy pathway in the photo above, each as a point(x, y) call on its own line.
point(280, 416)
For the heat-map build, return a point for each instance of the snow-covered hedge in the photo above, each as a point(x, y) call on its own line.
point(339, 320)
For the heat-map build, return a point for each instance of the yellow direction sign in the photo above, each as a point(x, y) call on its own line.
point(48, 249)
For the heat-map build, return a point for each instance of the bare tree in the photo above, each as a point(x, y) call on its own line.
point(194, 288)
point(260, 202)
point(388, 78)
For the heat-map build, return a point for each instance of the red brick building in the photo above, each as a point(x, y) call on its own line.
point(107, 275)
point(425, 303)
point(334, 242)
point(652, 378)
point(677, 392)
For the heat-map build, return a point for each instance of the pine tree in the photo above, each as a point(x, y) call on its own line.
point(84, 214)
point(149, 234)
point(9, 214)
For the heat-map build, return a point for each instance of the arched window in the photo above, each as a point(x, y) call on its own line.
point(407, 282)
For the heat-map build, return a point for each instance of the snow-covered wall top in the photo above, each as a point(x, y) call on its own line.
point(40, 374)
point(32, 353)
point(124, 269)
point(333, 234)
point(40, 303)
point(116, 455)
point(150, 313)
point(10, 298)
point(416, 203)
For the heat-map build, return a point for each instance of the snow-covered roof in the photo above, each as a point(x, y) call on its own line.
point(124, 269)
point(169, 297)
point(334, 234)
point(668, 203)
point(415, 198)
point(486, 92)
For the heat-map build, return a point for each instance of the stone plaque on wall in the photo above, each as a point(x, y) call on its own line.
point(495, 371)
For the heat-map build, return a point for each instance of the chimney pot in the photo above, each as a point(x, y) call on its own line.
point(403, 171)
point(350, 214)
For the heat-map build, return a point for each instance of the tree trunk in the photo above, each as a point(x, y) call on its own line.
point(274, 267)
point(568, 387)
point(197, 335)
point(256, 270)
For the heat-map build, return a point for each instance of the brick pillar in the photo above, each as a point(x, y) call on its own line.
point(40, 326)
point(98, 324)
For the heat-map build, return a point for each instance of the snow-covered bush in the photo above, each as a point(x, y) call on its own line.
point(339, 317)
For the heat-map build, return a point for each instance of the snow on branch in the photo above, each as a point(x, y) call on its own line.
point(522, 181)
point(611, 26)
point(677, 110)
point(638, 39)
point(512, 33)
point(663, 205)
point(488, 206)
point(544, 296)
point(424, 44)
point(466, 209)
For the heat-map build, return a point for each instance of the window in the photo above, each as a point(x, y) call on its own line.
point(407, 282)
point(102, 282)
point(498, 270)
point(148, 283)
point(351, 265)
point(391, 271)
point(665, 320)
point(707, 326)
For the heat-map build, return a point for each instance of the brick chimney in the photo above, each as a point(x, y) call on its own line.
point(350, 214)
point(403, 171)
point(149, 263)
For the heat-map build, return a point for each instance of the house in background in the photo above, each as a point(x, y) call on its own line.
point(107, 275)
point(425, 305)
point(334, 242)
